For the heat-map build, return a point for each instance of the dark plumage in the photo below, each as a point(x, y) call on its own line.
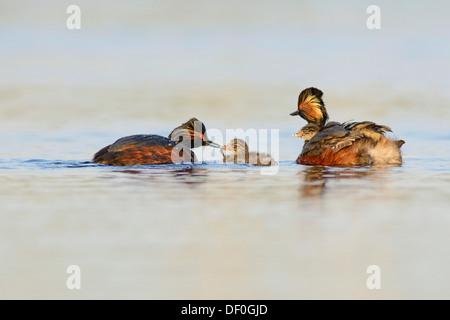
point(347, 144)
point(311, 107)
point(155, 149)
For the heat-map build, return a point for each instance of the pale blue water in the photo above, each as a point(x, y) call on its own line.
point(224, 231)
point(210, 230)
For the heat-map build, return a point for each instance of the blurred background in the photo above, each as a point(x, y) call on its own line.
point(214, 231)
point(234, 64)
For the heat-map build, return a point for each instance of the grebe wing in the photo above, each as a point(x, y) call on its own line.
point(141, 140)
point(334, 137)
point(365, 125)
point(369, 129)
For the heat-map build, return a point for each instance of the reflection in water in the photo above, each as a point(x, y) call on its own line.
point(219, 232)
point(316, 177)
point(130, 171)
point(161, 223)
point(188, 174)
point(314, 185)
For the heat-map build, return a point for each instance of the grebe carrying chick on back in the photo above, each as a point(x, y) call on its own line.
point(342, 144)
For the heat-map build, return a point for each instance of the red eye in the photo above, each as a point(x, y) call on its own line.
point(201, 136)
point(300, 107)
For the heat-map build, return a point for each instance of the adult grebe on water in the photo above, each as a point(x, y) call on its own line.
point(342, 144)
point(152, 149)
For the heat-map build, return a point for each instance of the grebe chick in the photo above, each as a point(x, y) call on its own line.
point(237, 152)
point(307, 132)
point(150, 149)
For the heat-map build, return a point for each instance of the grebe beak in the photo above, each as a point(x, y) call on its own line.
point(227, 147)
point(295, 113)
point(211, 144)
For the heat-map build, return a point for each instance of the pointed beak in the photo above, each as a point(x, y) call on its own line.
point(295, 113)
point(211, 144)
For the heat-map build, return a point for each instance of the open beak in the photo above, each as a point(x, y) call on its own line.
point(295, 113)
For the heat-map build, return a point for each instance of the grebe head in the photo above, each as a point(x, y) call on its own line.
point(311, 107)
point(236, 146)
point(192, 133)
point(308, 131)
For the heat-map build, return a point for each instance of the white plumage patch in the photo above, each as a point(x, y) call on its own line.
point(385, 152)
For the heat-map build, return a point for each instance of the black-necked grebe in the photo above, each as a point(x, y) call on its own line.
point(155, 149)
point(342, 144)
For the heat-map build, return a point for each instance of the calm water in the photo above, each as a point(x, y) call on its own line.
point(223, 231)
point(211, 231)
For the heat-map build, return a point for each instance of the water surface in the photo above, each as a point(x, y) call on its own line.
point(209, 230)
